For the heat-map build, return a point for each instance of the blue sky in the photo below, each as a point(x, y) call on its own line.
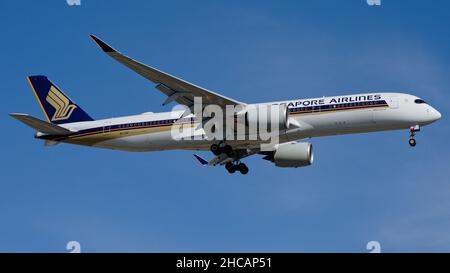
point(361, 187)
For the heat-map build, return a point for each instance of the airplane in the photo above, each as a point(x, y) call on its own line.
point(300, 119)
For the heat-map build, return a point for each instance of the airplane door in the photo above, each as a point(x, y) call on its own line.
point(393, 102)
point(379, 114)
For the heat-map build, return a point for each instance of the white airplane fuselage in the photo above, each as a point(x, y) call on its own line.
point(317, 117)
point(273, 130)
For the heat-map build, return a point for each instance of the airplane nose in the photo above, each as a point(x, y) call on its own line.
point(438, 115)
point(434, 114)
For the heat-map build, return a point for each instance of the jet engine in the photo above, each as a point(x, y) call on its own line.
point(294, 155)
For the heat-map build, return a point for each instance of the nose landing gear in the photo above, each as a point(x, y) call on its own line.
point(412, 132)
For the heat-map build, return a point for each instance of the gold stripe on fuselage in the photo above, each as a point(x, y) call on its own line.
point(93, 138)
point(96, 137)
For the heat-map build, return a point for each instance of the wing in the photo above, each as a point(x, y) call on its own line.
point(176, 89)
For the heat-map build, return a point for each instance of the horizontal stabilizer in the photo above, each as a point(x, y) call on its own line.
point(40, 125)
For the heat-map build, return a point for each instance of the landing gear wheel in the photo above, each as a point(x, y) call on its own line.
point(228, 150)
point(242, 168)
point(231, 168)
point(412, 133)
point(215, 149)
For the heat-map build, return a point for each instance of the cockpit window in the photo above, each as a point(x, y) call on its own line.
point(419, 101)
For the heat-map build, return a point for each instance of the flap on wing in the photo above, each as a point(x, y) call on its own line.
point(40, 125)
point(176, 89)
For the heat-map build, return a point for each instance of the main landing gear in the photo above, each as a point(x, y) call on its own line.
point(412, 132)
point(217, 149)
point(233, 167)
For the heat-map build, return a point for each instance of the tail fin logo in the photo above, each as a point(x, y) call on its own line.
point(62, 105)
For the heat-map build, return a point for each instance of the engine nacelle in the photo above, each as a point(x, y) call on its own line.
point(271, 116)
point(294, 155)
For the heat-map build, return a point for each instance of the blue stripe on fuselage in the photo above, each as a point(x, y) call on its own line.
point(167, 122)
point(336, 107)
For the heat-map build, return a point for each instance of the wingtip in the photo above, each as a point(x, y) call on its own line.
point(104, 46)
